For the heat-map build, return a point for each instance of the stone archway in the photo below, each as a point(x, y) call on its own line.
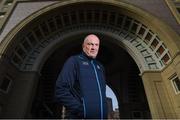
point(30, 48)
point(145, 46)
point(122, 76)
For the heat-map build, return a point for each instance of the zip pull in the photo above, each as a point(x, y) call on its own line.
point(92, 62)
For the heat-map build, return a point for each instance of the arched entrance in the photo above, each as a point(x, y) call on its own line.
point(30, 51)
point(122, 76)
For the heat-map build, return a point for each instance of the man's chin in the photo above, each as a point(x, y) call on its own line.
point(92, 56)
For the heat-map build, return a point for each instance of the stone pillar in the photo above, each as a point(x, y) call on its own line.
point(22, 92)
point(157, 95)
point(176, 96)
point(176, 64)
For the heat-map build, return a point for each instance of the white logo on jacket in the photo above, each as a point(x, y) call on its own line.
point(85, 63)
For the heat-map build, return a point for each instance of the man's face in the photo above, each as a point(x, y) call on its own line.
point(91, 46)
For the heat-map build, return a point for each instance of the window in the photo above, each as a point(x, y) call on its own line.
point(148, 37)
point(89, 16)
point(5, 84)
point(21, 52)
point(66, 19)
point(160, 50)
point(81, 16)
point(127, 23)
point(44, 27)
point(166, 58)
point(141, 31)
point(176, 84)
point(175, 81)
point(58, 21)
point(73, 17)
point(8, 2)
point(26, 45)
point(112, 18)
point(154, 43)
point(104, 16)
point(120, 20)
point(16, 59)
point(51, 24)
point(134, 27)
point(38, 33)
point(32, 38)
point(96, 16)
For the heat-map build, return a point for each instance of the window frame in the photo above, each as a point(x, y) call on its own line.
point(9, 85)
point(172, 79)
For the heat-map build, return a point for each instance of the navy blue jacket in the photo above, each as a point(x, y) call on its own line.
point(81, 88)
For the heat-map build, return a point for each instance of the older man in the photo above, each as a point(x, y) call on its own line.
point(81, 86)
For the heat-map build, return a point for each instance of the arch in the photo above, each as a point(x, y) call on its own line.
point(119, 67)
point(147, 44)
point(117, 39)
point(147, 27)
point(163, 30)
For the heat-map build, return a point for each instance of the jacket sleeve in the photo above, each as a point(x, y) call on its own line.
point(63, 93)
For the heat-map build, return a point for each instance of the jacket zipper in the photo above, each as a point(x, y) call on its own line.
point(84, 107)
point(97, 79)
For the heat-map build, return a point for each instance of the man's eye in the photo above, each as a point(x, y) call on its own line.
point(90, 44)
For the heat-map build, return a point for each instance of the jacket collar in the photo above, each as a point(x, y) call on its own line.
point(83, 54)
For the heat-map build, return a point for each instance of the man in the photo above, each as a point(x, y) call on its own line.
point(81, 87)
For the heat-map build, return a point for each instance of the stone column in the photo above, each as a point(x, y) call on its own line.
point(157, 95)
point(22, 93)
point(176, 97)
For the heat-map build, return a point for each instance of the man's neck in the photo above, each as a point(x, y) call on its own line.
point(89, 58)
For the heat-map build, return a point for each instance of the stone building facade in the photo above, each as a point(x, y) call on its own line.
point(140, 51)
